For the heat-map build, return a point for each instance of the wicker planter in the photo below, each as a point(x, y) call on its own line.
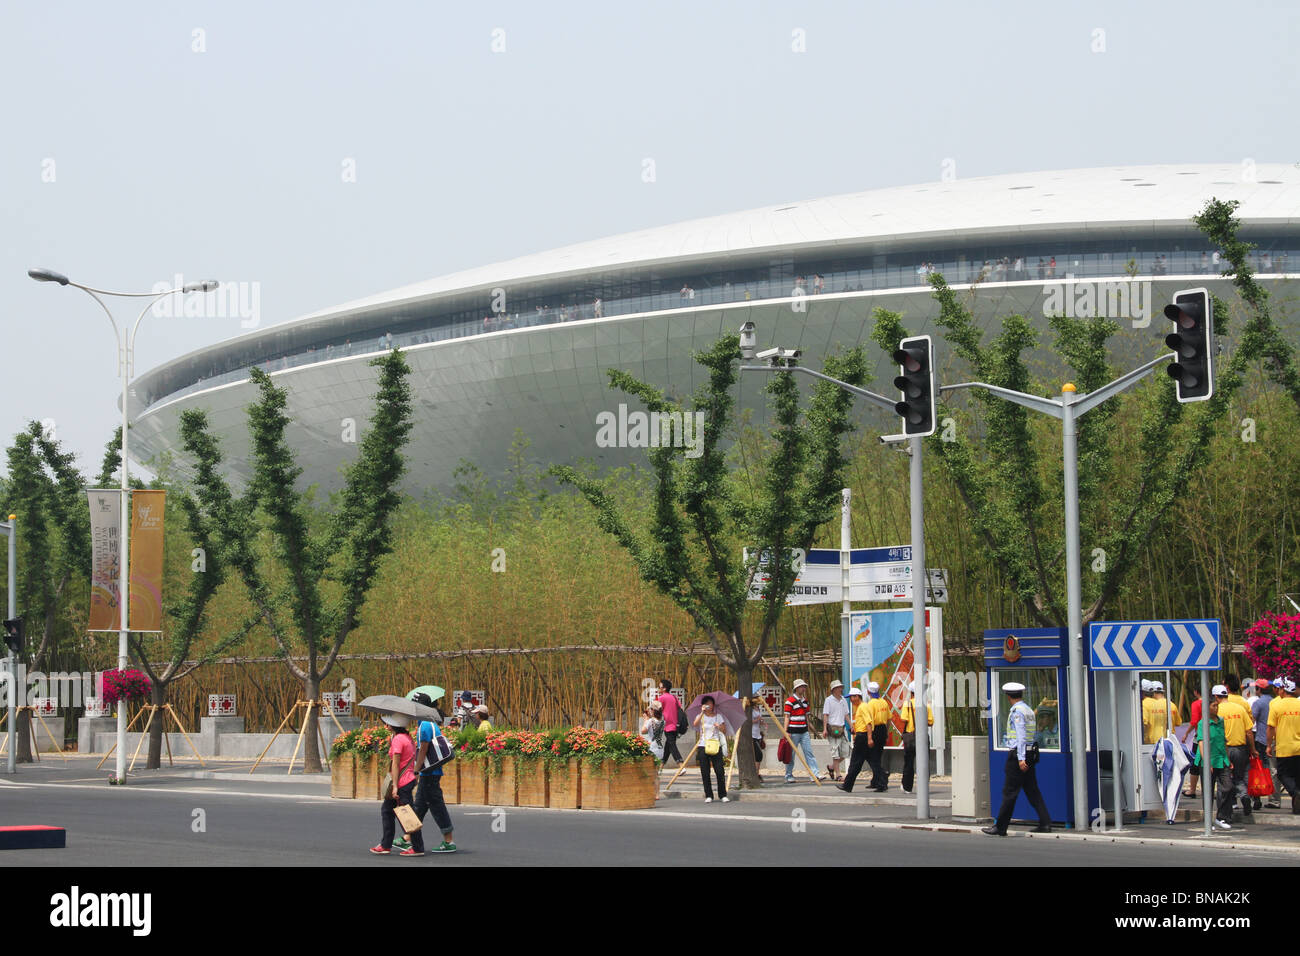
point(343, 776)
point(565, 786)
point(503, 786)
point(533, 778)
point(368, 777)
point(451, 781)
point(474, 783)
point(619, 786)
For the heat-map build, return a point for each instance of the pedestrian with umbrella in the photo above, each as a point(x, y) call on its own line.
point(711, 745)
point(397, 713)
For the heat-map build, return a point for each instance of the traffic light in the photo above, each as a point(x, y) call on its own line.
point(14, 634)
point(1192, 341)
point(915, 357)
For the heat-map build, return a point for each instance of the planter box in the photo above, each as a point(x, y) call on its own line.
point(473, 783)
point(565, 788)
point(368, 776)
point(503, 787)
point(533, 782)
point(451, 781)
point(343, 777)
point(624, 786)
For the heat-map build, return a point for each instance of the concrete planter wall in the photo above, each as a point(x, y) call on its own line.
point(532, 778)
point(503, 787)
point(622, 786)
point(566, 786)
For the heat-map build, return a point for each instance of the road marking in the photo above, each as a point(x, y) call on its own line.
point(304, 797)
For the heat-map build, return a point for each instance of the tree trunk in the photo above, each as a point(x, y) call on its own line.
point(23, 736)
point(157, 694)
point(311, 744)
point(749, 778)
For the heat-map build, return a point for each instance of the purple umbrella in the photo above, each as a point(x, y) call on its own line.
point(729, 708)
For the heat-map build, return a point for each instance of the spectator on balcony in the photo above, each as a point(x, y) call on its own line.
point(598, 308)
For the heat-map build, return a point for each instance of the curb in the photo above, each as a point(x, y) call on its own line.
point(938, 827)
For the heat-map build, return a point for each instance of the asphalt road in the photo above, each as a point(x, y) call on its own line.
point(247, 824)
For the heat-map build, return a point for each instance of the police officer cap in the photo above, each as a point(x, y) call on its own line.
point(1014, 688)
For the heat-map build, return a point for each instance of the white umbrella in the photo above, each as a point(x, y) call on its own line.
point(400, 706)
point(1171, 769)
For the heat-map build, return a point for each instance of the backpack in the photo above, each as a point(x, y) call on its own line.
point(439, 752)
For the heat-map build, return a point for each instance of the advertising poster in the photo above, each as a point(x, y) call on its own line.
point(147, 559)
point(881, 649)
point(105, 545)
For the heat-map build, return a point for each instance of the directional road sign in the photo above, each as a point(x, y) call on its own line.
point(1154, 645)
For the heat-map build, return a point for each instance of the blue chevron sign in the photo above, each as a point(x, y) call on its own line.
point(1154, 645)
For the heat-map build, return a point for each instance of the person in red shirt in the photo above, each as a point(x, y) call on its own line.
point(674, 720)
point(401, 754)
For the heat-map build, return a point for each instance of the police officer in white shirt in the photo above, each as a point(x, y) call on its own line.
point(1020, 774)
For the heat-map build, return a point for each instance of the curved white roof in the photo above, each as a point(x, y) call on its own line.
point(1107, 200)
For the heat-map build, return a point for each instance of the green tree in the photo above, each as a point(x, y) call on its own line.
point(47, 494)
point(309, 591)
point(703, 514)
point(1002, 480)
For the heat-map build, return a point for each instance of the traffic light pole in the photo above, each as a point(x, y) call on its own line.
point(921, 699)
point(919, 581)
point(1068, 408)
point(10, 530)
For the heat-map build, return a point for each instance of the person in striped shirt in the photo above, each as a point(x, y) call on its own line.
point(796, 725)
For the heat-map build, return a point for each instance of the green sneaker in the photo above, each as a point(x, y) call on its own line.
point(401, 843)
point(444, 847)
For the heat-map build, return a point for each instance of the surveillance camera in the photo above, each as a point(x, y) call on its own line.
point(748, 339)
point(767, 353)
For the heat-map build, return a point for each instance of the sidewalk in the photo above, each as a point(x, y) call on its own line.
point(1277, 830)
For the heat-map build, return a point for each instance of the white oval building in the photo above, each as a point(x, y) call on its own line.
point(524, 344)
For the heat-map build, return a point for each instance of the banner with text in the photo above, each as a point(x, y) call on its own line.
point(147, 559)
point(105, 552)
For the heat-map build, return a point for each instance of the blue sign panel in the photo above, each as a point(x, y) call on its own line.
point(1154, 645)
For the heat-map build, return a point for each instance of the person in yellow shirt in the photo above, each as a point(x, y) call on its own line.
point(1239, 733)
point(878, 707)
point(1284, 738)
point(862, 739)
point(1158, 693)
point(909, 737)
point(1153, 715)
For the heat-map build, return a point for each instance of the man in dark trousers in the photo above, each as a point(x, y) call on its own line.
point(1020, 773)
point(674, 720)
point(862, 741)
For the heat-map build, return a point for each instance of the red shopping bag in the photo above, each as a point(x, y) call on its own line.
point(784, 752)
point(1259, 783)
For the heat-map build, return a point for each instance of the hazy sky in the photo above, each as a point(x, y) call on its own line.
point(146, 140)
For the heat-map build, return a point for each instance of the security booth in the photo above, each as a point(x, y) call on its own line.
point(1037, 657)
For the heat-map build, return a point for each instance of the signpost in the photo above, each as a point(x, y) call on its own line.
point(1155, 645)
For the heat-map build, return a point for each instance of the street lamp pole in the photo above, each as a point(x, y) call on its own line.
point(1068, 408)
point(126, 365)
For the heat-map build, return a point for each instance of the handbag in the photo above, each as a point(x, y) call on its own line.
point(784, 752)
point(712, 746)
point(409, 821)
point(1259, 782)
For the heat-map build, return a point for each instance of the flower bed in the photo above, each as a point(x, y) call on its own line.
point(577, 767)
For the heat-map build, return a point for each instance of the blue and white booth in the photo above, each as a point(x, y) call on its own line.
point(1037, 657)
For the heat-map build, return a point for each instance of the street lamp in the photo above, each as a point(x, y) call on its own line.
point(125, 366)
